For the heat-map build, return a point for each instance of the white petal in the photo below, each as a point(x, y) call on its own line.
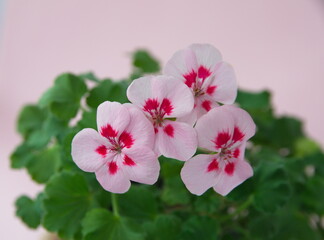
point(214, 129)
point(176, 140)
point(226, 183)
point(225, 81)
point(89, 150)
point(117, 182)
point(140, 128)
point(140, 90)
point(206, 55)
point(141, 165)
point(243, 121)
point(200, 173)
point(112, 118)
point(181, 63)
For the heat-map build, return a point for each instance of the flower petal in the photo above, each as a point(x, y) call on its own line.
point(112, 177)
point(223, 87)
point(215, 129)
point(89, 150)
point(140, 128)
point(112, 118)
point(176, 140)
point(243, 122)
point(141, 165)
point(182, 63)
point(161, 91)
point(206, 55)
point(200, 173)
point(234, 174)
point(179, 95)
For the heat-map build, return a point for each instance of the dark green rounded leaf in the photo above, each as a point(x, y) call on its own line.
point(67, 199)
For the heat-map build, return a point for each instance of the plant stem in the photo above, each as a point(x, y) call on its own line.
point(115, 204)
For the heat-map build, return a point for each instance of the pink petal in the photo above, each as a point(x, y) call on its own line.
point(182, 63)
point(245, 126)
point(215, 129)
point(207, 55)
point(112, 177)
point(176, 140)
point(204, 104)
point(112, 118)
point(225, 82)
point(168, 93)
point(200, 173)
point(141, 165)
point(232, 176)
point(140, 128)
point(89, 150)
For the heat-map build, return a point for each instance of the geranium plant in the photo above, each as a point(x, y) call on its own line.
point(168, 155)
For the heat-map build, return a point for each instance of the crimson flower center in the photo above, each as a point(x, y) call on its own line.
point(158, 110)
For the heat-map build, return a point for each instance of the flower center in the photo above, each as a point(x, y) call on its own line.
point(158, 110)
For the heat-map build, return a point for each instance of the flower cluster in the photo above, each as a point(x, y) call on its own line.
point(172, 115)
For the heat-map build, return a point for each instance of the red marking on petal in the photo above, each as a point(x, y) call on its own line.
point(203, 72)
point(169, 130)
point(166, 106)
point(112, 168)
point(190, 78)
point(211, 89)
point(128, 161)
point(237, 135)
point(108, 131)
point(126, 139)
point(221, 139)
point(102, 150)
point(206, 105)
point(236, 153)
point(229, 168)
point(150, 104)
point(156, 130)
point(213, 166)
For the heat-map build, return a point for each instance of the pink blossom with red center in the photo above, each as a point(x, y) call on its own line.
point(163, 99)
point(121, 151)
point(211, 80)
point(224, 130)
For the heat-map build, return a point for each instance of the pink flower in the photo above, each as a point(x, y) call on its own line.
point(163, 99)
point(211, 80)
point(121, 151)
point(224, 130)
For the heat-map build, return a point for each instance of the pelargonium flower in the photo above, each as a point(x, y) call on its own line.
point(121, 151)
point(211, 80)
point(162, 99)
point(224, 130)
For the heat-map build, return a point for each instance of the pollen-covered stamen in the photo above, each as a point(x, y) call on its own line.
point(158, 110)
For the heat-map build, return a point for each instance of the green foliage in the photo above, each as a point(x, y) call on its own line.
point(30, 211)
point(100, 224)
point(276, 203)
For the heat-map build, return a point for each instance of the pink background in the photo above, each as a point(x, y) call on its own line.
point(276, 45)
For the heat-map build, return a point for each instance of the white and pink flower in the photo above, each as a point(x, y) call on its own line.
point(121, 151)
point(163, 99)
point(224, 130)
point(211, 80)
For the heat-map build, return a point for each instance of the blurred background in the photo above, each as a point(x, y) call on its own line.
point(275, 45)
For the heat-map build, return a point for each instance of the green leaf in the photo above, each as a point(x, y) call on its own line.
point(200, 228)
point(273, 187)
point(253, 101)
point(29, 119)
point(89, 76)
point(44, 164)
point(21, 156)
point(107, 90)
point(30, 211)
point(145, 62)
point(305, 147)
point(89, 120)
point(63, 99)
point(165, 227)
point(143, 204)
point(100, 224)
point(174, 191)
point(67, 199)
